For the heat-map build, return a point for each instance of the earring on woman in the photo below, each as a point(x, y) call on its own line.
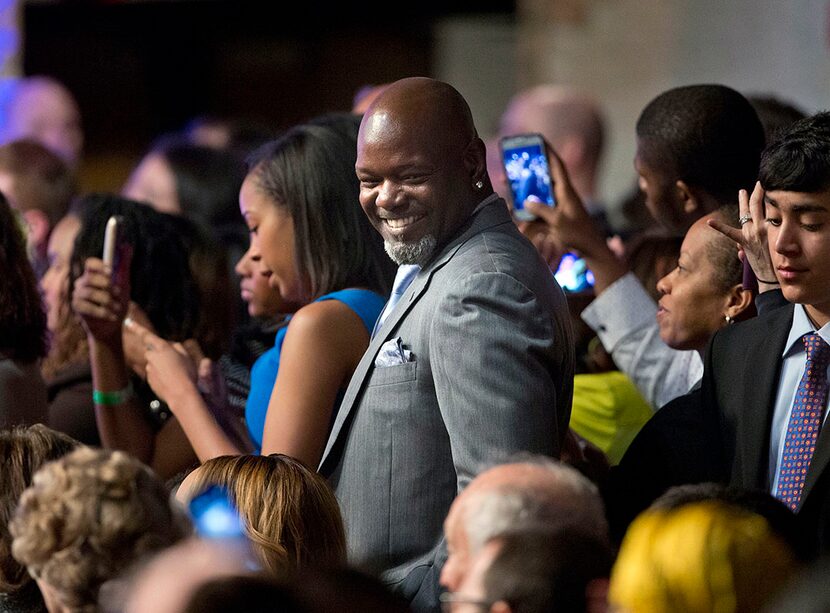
point(479, 184)
point(729, 319)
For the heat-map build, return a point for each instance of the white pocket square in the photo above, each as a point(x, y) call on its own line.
point(391, 353)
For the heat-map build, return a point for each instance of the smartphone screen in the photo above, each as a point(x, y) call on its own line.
point(214, 516)
point(573, 274)
point(528, 172)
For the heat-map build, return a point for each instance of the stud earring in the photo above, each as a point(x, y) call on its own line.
point(479, 184)
point(729, 319)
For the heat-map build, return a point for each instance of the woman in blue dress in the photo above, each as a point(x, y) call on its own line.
point(300, 202)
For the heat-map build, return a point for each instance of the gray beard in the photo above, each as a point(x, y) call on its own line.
point(418, 252)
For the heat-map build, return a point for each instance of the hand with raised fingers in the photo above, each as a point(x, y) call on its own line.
point(170, 370)
point(751, 238)
point(572, 229)
point(568, 223)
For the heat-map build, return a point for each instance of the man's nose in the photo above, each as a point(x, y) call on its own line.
point(448, 577)
point(785, 241)
point(388, 195)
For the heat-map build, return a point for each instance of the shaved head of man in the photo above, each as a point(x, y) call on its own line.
point(421, 167)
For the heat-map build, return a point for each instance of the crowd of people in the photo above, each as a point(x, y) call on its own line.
point(329, 371)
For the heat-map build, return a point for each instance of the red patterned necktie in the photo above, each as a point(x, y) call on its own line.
point(805, 422)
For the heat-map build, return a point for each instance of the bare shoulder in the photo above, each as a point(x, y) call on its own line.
point(329, 318)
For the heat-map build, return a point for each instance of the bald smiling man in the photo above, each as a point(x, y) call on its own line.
point(471, 360)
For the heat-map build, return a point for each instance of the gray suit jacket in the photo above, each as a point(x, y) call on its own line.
point(491, 374)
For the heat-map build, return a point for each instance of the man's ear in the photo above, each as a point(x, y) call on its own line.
point(686, 197)
point(475, 160)
point(38, 228)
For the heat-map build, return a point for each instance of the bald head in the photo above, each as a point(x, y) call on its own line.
point(542, 491)
point(570, 120)
point(42, 109)
point(418, 103)
point(421, 167)
point(539, 494)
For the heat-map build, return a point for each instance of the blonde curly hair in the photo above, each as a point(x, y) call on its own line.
point(87, 517)
point(24, 450)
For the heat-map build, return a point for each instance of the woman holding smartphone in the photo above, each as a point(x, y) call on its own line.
point(300, 202)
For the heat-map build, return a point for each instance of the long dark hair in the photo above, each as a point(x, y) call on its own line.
point(310, 172)
point(23, 334)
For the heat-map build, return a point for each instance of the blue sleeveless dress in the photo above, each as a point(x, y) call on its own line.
point(365, 303)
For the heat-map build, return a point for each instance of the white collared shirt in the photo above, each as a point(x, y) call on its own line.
point(792, 369)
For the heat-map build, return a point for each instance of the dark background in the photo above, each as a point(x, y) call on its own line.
point(141, 69)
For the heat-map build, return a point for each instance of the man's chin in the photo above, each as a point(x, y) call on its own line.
point(415, 252)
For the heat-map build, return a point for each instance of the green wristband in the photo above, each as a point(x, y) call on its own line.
point(108, 399)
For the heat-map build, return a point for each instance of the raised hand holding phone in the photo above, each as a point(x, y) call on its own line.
point(571, 225)
point(529, 165)
point(101, 294)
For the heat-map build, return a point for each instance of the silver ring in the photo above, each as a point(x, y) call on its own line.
point(745, 220)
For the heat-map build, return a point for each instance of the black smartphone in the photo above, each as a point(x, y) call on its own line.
point(528, 172)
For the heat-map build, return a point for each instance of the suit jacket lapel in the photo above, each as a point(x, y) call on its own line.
point(490, 215)
point(761, 371)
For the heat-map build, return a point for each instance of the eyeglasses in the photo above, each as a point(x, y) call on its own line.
point(449, 599)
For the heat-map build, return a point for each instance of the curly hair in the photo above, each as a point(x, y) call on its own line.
point(23, 333)
point(25, 450)
point(162, 282)
point(290, 514)
point(87, 517)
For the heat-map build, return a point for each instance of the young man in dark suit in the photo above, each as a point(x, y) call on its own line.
point(765, 381)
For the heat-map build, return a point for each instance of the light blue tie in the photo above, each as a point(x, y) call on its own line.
point(406, 273)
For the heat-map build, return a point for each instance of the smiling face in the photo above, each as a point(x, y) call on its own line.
point(56, 278)
point(415, 182)
point(798, 234)
point(693, 306)
point(273, 231)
